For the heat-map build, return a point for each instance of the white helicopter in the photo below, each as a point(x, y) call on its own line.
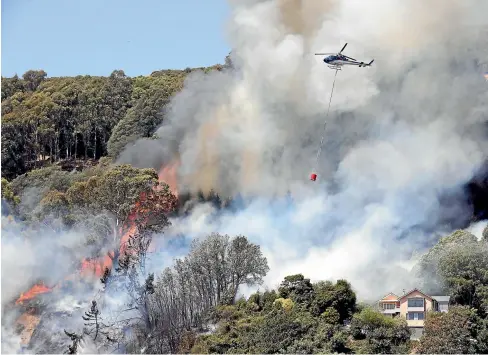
point(337, 60)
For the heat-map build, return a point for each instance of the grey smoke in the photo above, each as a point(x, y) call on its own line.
point(43, 254)
point(255, 130)
point(402, 138)
point(32, 255)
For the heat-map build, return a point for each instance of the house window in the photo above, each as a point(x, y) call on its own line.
point(415, 302)
point(388, 306)
point(415, 316)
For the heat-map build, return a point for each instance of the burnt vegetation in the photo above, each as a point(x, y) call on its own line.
point(60, 137)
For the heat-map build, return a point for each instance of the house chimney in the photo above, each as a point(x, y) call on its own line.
point(404, 292)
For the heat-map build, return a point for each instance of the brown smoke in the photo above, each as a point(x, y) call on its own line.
point(255, 130)
point(304, 17)
point(253, 153)
point(206, 175)
point(239, 115)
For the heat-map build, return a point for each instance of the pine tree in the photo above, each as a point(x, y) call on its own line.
point(92, 319)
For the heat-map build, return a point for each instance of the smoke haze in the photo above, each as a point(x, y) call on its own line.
point(402, 137)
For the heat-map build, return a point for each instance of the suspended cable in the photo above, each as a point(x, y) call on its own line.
point(313, 176)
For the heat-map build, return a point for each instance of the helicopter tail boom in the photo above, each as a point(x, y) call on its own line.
point(362, 64)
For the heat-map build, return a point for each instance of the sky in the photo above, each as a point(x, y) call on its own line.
point(95, 37)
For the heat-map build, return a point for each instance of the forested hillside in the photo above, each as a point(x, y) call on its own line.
point(46, 120)
point(59, 138)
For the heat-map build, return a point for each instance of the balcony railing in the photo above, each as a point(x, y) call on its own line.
point(390, 310)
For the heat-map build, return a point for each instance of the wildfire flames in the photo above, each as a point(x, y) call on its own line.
point(33, 292)
point(169, 175)
point(95, 268)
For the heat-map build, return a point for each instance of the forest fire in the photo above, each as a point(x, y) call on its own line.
point(27, 323)
point(95, 267)
point(33, 292)
point(148, 206)
point(169, 174)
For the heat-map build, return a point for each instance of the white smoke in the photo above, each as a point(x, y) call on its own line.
point(402, 138)
point(477, 229)
point(32, 255)
point(42, 254)
point(11, 343)
point(402, 135)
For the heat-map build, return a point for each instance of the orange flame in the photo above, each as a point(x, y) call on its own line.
point(125, 237)
point(169, 175)
point(95, 268)
point(33, 292)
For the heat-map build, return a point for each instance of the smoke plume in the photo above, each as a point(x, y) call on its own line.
point(402, 137)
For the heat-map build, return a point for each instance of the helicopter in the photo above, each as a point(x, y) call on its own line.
point(337, 60)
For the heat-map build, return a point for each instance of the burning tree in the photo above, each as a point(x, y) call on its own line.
point(147, 217)
point(131, 201)
point(117, 191)
point(134, 206)
point(130, 273)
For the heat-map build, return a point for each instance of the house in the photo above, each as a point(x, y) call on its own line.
point(413, 306)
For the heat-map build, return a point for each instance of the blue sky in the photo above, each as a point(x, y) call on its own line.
point(94, 37)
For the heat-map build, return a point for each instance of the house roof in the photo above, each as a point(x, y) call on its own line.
point(415, 290)
point(437, 298)
point(441, 298)
point(390, 294)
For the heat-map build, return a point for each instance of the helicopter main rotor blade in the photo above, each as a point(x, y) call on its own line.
point(343, 48)
point(324, 53)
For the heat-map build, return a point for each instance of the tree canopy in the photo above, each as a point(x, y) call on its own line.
point(458, 265)
point(45, 120)
point(51, 119)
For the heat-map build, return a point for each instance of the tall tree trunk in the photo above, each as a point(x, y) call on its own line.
point(102, 143)
point(75, 135)
point(36, 145)
point(57, 147)
point(86, 146)
point(95, 145)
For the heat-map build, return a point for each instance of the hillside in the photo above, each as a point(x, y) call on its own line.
point(48, 119)
point(70, 123)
